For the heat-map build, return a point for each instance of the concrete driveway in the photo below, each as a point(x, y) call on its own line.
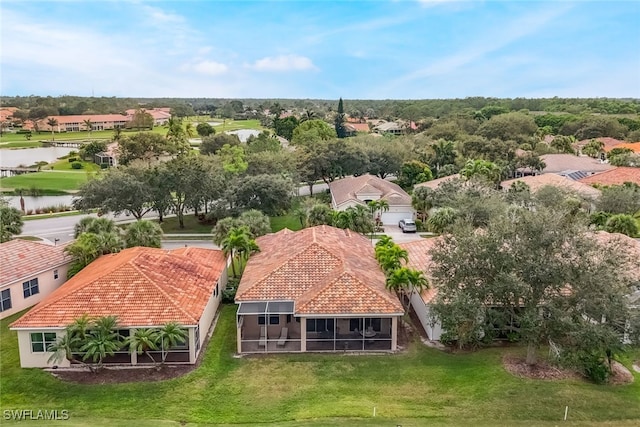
point(398, 236)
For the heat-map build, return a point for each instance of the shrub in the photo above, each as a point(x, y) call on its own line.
point(72, 159)
point(229, 294)
point(29, 212)
point(103, 165)
point(594, 368)
point(76, 165)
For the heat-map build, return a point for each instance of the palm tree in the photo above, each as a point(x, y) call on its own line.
point(444, 153)
point(422, 201)
point(142, 341)
point(320, 214)
point(189, 130)
point(102, 340)
point(170, 335)
point(377, 206)
point(390, 257)
point(89, 125)
point(355, 218)
point(94, 225)
point(405, 281)
point(483, 169)
point(52, 122)
point(143, 233)
point(238, 244)
point(385, 241)
point(441, 218)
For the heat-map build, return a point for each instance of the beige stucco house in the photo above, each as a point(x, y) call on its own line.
point(358, 190)
point(29, 271)
point(317, 289)
point(144, 288)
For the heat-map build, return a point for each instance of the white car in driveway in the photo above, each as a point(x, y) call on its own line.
point(407, 226)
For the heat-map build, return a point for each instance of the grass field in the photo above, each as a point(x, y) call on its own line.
point(287, 221)
point(420, 386)
point(51, 180)
point(191, 225)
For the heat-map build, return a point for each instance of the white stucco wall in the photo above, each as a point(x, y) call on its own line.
point(46, 285)
point(29, 359)
point(423, 312)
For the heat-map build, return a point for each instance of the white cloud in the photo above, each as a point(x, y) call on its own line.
point(284, 63)
point(160, 17)
point(210, 68)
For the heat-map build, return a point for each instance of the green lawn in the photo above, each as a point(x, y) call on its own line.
point(191, 225)
point(60, 181)
point(286, 221)
point(421, 386)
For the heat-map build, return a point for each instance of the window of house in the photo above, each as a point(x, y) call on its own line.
point(375, 324)
point(197, 337)
point(30, 287)
point(273, 320)
point(5, 300)
point(319, 325)
point(216, 290)
point(55, 274)
point(40, 341)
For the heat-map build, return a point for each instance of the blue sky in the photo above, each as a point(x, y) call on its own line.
point(321, 49)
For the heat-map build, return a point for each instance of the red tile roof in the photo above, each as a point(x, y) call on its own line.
point(536, 182)
point(633, 146)
point(324, 270)
point(22, 259)
point(95, 118)
point(142, 286)
point(347, 189)
point(608, 142)
point(617, 176)
point(420, 259)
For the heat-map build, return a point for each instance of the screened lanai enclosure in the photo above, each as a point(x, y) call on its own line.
point(270, 327)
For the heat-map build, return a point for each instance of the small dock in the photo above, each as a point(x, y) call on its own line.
point(69, 144)
point(11, 171)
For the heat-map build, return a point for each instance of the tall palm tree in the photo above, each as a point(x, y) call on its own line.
point(89, 125)
point(189, 130)
point(143, 233)
point(483, 169)
point(170, 335)
point(142, 341)
point(377, 206)
point(238, 244)
point(444, 153)
point(405, 281)
point(52, 122)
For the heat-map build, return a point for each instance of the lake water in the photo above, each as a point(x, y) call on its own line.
point(30, 156)
point(39, 202)
point(244, 134)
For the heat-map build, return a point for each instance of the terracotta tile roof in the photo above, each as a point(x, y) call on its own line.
point(538, 181)
point(420, 259)
point(621, 242)
point(21, 259)
point(435, 183)
point(142, 286)
point(346, 189)
point(95, 118)
point(633, 146)
point(557, 163)
point(324, 270)
point(617, 176)
point(608, 142)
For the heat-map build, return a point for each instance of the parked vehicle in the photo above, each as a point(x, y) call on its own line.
point(407, 226)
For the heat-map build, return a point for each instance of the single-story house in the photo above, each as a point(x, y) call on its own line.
point(420, 259)
point(144, 288)
point(435, 183)
point(617, 176)
point(30, 272)
point(352, 191)
point(392, 128)
point(77, 122)
point(317, 289)
point(568, 164)
point(536, 182)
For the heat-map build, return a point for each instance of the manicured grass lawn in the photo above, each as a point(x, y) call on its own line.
point(421, 386)
point(65, 165)
point(191, 225)
point(61, 181)
point(286, 221)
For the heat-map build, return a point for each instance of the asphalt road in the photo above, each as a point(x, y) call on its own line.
point(60, 229)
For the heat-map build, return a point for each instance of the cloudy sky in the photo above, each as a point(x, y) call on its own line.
point(321, 49)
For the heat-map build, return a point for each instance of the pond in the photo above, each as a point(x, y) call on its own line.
point(244, 134)
point(33, 203)
point(30, 156)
